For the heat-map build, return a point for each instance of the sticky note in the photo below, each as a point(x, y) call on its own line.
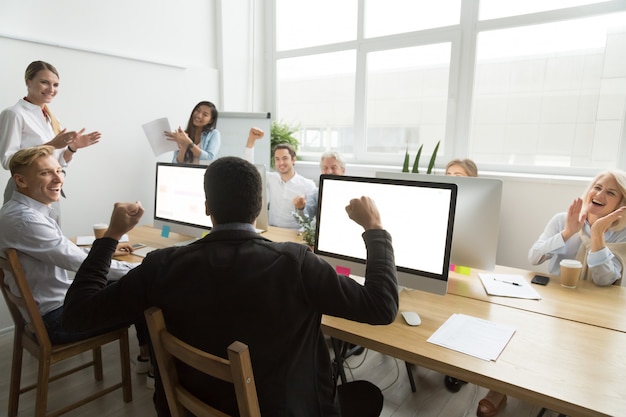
point(452, 267)
point(165, 231)
point(342, 270)
point(464, 270)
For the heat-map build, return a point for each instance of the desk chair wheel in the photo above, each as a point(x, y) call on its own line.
point(452, 384)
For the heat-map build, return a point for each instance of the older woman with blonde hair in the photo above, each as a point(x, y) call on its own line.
point(593, 230)
point(462, 168)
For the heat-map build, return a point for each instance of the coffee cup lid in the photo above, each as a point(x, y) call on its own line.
point(571, 263)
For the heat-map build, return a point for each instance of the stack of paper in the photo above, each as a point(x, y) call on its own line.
point(506, 285)
point(473, 336)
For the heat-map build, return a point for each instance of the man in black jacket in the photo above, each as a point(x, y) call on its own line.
point(236, 285)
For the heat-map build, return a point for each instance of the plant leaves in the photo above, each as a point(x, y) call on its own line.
point(431, 164)
point(405, 165)
point(416, 163)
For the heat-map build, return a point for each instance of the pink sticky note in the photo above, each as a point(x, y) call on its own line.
point(342, 270)
point(452, 267)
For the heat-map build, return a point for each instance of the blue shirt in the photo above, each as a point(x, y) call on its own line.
point(210, 141)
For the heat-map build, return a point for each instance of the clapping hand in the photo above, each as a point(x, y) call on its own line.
point(180, 137)
point(600, 226)
point(83, 140)
point(574, 221)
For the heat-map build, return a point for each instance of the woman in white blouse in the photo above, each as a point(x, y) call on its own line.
point(30, 123)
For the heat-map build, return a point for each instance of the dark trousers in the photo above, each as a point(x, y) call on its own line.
point(59, 335)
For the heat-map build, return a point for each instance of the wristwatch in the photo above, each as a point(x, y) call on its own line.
point(190, 146)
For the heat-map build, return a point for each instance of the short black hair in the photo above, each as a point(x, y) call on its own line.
point(233, 190)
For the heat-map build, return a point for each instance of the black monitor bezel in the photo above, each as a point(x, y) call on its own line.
point(443, 276)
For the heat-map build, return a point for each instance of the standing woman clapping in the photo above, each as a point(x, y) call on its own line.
point(31, 123)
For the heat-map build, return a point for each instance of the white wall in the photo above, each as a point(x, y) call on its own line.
point(121, 64)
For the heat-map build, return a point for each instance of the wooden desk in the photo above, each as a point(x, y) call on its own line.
point(563, 355)
point(587, 303)
point(570, 367)
point(150, 236)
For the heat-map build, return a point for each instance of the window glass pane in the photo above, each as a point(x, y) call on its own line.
point(388, 17)
point(303, 23)
point(556, 99)
point(492, 9)
point(407, 97)
point(316, 92)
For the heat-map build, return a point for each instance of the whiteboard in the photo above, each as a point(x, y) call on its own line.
point(234, 128)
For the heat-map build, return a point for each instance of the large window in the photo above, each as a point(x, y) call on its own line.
point(406, 98)
point(534, 86)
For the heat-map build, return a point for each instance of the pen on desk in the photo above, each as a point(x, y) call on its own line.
point(507, 282)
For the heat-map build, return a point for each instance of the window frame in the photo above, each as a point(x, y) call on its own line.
point(463, 39)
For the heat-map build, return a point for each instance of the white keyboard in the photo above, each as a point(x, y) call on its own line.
point(143, 251)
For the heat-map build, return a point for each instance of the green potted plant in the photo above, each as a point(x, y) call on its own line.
point(308, 227)
point(281, 132)
point(415, 168)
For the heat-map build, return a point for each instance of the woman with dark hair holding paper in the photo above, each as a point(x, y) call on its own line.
point(201, 140)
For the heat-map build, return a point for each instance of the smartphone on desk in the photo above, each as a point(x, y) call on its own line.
point(540, 280)
point(138, 246)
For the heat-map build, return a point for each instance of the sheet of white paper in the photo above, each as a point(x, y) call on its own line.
point(154, 132)
point(480, 338)
point(506, 285)
point(88, 240)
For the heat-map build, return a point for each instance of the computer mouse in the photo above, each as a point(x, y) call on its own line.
point(411, 318)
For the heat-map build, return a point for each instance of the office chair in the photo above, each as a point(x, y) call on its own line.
point(237, 370)
point(30, 334)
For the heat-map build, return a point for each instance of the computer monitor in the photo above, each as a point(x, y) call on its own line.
point(418, 216)
point(179, 199)
point(262, 222)
point(477, 219)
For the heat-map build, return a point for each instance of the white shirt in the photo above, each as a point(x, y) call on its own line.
point(23, 126)
point(45, 254)
point(281, 195)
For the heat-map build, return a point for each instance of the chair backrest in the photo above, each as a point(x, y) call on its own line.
point(236, 370)
point(23, 304)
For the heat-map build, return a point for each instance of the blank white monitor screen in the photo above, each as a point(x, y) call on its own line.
point(179, 199)
point(477, 219)
point(418, 216)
